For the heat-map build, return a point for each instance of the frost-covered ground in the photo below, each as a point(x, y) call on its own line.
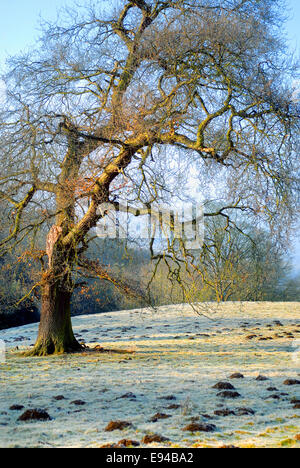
point(176, 353)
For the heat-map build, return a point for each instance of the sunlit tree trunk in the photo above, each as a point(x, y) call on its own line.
point(55, 331)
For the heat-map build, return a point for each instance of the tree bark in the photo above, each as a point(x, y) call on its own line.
point(55, 331)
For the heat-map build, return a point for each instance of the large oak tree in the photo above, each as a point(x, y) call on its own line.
point(130, 99)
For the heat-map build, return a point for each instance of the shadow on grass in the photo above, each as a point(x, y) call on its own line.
point(85, 351)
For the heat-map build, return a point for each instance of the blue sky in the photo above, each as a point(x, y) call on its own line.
point(19, 29)
point(19, 22)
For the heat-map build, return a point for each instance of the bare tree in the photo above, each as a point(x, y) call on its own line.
point(240, 263)
point(112, 99)
point(223, 262)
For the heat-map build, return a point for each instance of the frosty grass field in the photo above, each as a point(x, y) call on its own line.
point(174, 358)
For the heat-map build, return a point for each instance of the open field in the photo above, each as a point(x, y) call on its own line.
point(174, 358)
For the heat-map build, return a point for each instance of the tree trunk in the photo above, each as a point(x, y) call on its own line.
point(55, 331)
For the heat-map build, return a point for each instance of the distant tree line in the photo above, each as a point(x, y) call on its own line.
point(232, 266)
